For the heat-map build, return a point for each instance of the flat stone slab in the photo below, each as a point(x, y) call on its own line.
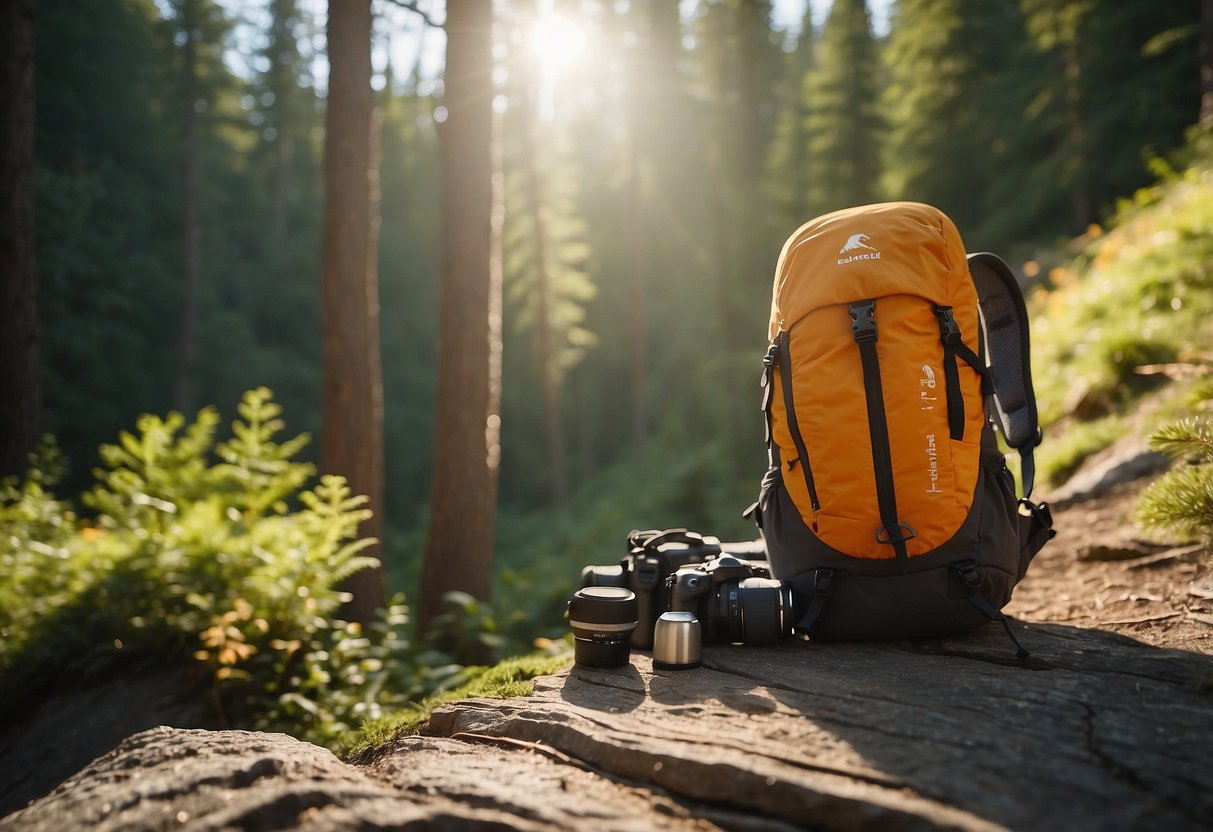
point(1095, 732)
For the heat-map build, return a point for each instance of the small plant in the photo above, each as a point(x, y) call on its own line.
point(215, 557)
point(1181, 501)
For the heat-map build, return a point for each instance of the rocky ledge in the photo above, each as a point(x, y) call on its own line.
point(1096, 731)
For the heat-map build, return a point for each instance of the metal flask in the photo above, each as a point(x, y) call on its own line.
point(677, 641)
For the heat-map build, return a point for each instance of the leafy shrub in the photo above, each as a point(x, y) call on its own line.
point(1141, 293)
point(210, 555)
point(1181, 501)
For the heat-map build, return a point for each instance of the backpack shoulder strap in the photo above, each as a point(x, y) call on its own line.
point(1004, 317)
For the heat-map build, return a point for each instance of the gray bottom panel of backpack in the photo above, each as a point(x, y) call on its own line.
point(887, 599)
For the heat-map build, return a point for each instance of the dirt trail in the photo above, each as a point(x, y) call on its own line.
point(1101, 572)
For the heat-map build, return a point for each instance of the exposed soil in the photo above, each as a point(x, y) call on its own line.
point(1101, 571)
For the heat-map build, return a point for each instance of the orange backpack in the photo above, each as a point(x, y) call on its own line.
point(888, 505)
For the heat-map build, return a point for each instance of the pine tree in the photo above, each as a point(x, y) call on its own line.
point(1101, 98)
point(545, 254)
point(844, 122)
point(1181, 501)
point(737, 74)
point(944, 125)
point(199, 28)
point(467, 450)
point(20, 373)
point(789, 174)
point(352, 439)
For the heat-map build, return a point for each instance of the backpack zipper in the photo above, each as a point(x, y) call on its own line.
point(783, 359)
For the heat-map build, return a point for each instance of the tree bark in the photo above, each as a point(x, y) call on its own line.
point(352, 435)
point(1206, 65)
point(20, 377)
point(459, 550)
point(188, 10)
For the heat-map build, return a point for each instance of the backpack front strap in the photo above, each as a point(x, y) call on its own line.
point(863, 330)
point(954, 347)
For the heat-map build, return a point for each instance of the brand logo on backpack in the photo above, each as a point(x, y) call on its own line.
point(928, 383)
point(857, 248)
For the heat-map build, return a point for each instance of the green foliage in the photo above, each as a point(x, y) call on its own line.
point(1081, 81)
point(1140, 294)
point(694, 148)
point(942, 61)
point(230, 562)
point(1181, 501)
point(546, 255)
point(845, 121)
point(788, 179)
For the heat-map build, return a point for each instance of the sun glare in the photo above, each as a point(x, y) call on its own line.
point(557, 42)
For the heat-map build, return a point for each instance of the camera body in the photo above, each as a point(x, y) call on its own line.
point(735, 600)
point(653, 556)
point(731, 593)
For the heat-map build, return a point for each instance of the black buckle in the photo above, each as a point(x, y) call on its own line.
point(968, 572)
point(771, 358)
point(863, 321)
point(949, 330)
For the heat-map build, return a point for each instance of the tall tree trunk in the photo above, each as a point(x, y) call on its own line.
point(467, 452)
point(352, 435)
point(20, 378)
point(1206, 65)
point(545, 347)
point(189, 207)
point(636, 298)
point(1084, 203)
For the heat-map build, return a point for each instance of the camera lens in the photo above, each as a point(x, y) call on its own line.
point(752, 611)
point(603, 618)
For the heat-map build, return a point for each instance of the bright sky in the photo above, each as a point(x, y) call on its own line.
point(787, 15)
point(404, 33)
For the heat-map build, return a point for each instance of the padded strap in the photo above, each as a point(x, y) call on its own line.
point(1004, 318)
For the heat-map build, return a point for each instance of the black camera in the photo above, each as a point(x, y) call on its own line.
point(735, 600)
point(727, 610)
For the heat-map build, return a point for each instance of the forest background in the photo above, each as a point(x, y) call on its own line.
point(655, 156)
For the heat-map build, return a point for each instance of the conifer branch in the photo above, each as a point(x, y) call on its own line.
point(412, 7)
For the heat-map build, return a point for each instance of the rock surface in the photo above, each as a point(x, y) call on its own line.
point(1096, 731)
point(1124, 462)
point(40, 750)
point(1106, 727)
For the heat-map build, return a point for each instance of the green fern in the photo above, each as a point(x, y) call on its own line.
point(1181, 501)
